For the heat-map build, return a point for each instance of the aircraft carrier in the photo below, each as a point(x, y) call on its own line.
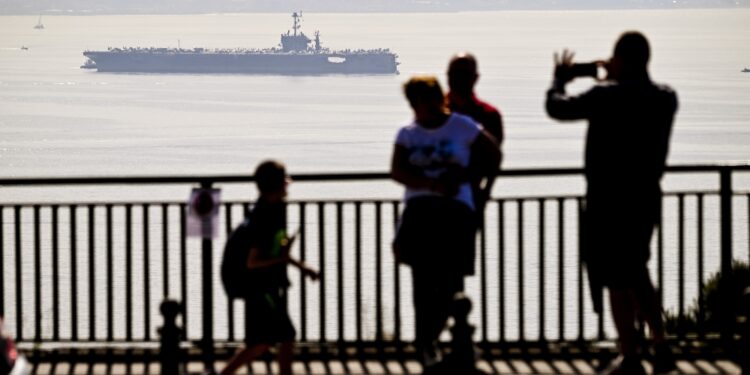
point(297, 55)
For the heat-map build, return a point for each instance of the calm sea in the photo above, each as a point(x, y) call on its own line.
point(59, 120)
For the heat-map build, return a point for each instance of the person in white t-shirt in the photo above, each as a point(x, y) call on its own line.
point(436, 234)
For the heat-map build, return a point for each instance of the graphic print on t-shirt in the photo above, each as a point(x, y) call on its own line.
point(434, 158)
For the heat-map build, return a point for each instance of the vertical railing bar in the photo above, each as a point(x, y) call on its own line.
point(302, 284)
point(701, 312)
point(340, 269)
point(358, 267)
point(19, 290)
point(183, 266)
point(230, 301)
point(483, 272)
point(55, 273)
point(725, 313)
point(660, 254)
point(146, 275)
point(110, 278)
point(542, 336)
point(579, 265)
point(378, 276)
point(501, 265)
point(396, 284)
point(73, 274)
point(165, 249)
point(561, 268)
point(129, 272)
point(92, 278)
point(37, 275)
point(521, 313)
point(2, 262)
point(681, 261)
point(321, 260)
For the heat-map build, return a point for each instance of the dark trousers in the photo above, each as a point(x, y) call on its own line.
point(433, 295)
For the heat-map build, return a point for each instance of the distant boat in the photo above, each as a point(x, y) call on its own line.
point(746, 70)
point(24, 48)
point(39, 24)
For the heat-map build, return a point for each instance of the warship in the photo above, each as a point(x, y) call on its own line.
point(296, 55)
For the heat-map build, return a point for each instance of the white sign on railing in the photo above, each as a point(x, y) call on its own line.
point(203, 213)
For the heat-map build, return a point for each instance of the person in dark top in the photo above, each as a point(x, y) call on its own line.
point(267, 321)
point(462, 77)
point(630, 121)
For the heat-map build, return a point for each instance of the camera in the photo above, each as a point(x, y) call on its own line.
point(585, 70)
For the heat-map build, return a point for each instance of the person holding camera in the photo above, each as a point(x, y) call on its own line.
point(630, 122)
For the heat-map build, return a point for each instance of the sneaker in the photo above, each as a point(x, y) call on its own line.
point(629, 366)
point(663, 360)
point(431, 356)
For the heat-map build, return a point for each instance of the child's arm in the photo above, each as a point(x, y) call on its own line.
point(307, 271)
point(254, 261)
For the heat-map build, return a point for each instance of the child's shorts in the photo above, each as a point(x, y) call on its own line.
point(267, 319)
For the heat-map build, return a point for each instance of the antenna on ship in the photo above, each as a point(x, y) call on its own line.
point(297, 18)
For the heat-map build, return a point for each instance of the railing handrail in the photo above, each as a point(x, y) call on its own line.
point(324, 177)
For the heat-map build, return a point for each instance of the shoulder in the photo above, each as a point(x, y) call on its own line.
point(459, 119)
point(406, 132)
point(487, 108)
point(665, 90)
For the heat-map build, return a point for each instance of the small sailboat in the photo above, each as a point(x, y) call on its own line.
point(39, 24)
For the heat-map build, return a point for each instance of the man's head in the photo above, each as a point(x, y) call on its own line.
point(424, 94)
point(271, 179)
point(630, 57)
point(462, 73)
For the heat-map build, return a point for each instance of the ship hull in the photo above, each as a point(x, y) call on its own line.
point(243, 63)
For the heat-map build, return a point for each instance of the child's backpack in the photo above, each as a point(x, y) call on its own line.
point(234, 272)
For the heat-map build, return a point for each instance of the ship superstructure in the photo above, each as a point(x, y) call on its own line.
point(297, 54)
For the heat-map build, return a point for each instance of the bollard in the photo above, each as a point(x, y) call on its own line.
point(170, 354)
point(462, 357)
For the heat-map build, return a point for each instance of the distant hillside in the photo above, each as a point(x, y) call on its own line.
point(9, 7)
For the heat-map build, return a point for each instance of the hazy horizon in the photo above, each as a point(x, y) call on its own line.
point(112, 7)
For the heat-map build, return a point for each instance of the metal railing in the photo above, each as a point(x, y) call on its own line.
point(78, 272)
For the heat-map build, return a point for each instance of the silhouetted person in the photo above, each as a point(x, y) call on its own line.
point(462, 77)
point(437, 229)
point(630, 122)
point(267, 320)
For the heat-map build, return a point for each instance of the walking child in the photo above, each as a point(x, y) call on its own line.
point(267, 320)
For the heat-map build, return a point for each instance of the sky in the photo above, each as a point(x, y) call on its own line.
point(11, 7)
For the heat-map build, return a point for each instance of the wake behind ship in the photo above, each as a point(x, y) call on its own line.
point(295, 57)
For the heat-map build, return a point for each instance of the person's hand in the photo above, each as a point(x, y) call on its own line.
point(450, 181)
point(311, 273)
point(563, 66)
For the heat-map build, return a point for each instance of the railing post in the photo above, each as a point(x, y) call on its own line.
point(725, 191)
point(170, 354)
point(208, 298)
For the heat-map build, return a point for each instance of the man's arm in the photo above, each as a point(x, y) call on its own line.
point(486, 158)
point(559, 104)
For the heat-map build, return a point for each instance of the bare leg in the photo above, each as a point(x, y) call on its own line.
point(286, 351)
point(650, 308)
point(623, 313)
point(244, 356)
